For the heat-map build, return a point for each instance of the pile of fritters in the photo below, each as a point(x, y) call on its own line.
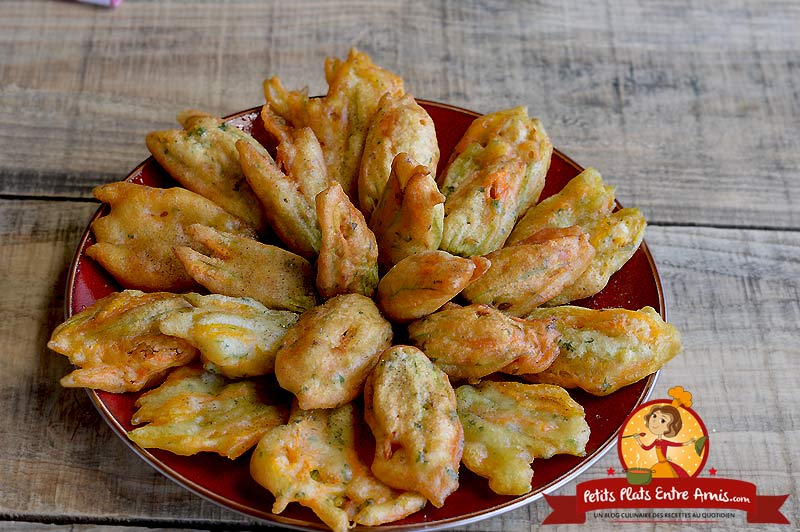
point(302, 266)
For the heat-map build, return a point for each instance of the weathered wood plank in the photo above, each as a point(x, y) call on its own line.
point(690, 108)
point(41, 423)
point(23, 526)
point(734, 294)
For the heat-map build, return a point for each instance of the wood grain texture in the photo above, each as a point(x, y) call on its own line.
point(691, 108)
point(61, 456)
point(23, 526)
point(734, 294)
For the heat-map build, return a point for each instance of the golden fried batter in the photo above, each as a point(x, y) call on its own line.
point(203, 158)
point(237, 337)
point(604, 350)
point(313, 460)
point(533, 271)
point(238, 266)
point(474, 341)
point(341, 118)
point(116, 343)
point(352, 193)
point(421, 283)
point(543, 334)
point(408, 218)
point(287, 188)
point(495, 173)
point(135, 240)
point(399, 126)
point(509, 424)
point(196, 411)
point(326, 356)
point(348, 255)
point(615, 239)
point(411, 409)
point(583, 200)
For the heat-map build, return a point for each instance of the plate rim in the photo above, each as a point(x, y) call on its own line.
point(296, 524)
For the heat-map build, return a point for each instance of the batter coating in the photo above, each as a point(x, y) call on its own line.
point(603, 350)
point(348, 254)
point(195, 411)
point(341, 118)
point(238, 266)
point(326, 356)
point(400, 125)
point(116, 343)
point(135, 240)
point(408, 218)
point(411, 409)
point(287, 187)
point(203, 158)
point(421, 283)
point(509, 424)
point(478, 340)
point(313, 460)
point(237, 337)
point(533, 271)
point(495, 173)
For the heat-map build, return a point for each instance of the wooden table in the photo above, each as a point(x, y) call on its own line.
point(691, 108)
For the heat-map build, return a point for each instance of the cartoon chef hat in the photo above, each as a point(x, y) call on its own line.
point(680, 397)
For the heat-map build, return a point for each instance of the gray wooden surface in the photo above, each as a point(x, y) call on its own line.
point(691, 108)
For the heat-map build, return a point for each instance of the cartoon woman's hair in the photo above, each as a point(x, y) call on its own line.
point(675, 423)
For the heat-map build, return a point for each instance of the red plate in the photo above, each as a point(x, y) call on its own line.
point(228, 483)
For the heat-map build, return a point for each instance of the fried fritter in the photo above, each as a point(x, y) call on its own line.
point(544, 335)
point(509, 424)
point(116, 343)
point(400, 125)
point(408, 218)
point(495, 173)
point(135, 240)
point(196, 411)
point(325, 357)
point(583, 200)
point(348, 255)
point(239, 266)
point(313, 460)
point(533, 271)
point(287, 187)
point(237, 337)
point(411, 408)
point(203, 158)
point(603, 350)
point(474, 341)
point(342, 117)
point(421, 283)
point(615, 239)
point(587, 202)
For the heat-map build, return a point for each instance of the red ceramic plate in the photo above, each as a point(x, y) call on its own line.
point(228, 483)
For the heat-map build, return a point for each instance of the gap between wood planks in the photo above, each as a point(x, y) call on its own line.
point(165, 523)
point(656, 223)
point(33, 197)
